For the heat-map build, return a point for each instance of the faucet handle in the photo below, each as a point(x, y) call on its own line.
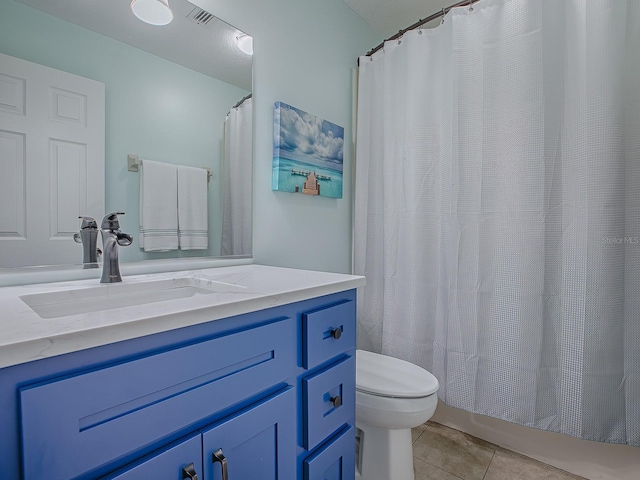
point(88, 222)
point(110, 221)
point(124, 239)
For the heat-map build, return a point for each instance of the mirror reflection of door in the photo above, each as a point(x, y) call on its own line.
point(51, 158)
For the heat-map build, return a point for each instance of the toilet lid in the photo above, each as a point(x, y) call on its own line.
point(391, 377)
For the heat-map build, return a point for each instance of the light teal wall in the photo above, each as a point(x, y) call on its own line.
point(305, 51)
point(154, 109)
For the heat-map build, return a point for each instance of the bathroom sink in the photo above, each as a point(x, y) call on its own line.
point(109, 296)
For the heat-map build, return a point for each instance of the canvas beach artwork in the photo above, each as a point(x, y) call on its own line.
point(307, 153)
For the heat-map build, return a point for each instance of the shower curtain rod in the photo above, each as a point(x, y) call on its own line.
point(242, 101)
point(421, 22)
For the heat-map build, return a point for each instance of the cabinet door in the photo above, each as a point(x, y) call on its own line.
point(258, 443)
point(175, 462)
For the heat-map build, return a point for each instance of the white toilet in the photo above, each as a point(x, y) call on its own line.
point(392, 397)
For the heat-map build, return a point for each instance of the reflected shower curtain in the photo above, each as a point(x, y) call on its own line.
point(237, 180)
point(497, 215)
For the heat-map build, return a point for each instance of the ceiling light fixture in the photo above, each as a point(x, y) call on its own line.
point(154, 12)
point(245, 43)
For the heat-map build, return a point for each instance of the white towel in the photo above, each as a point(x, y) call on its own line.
point(193, 216)
point(158, 206)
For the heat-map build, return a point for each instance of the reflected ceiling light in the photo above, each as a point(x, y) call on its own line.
point(154, 12)
point(245, 43)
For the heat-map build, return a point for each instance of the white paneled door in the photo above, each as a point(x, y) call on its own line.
point(52, 152)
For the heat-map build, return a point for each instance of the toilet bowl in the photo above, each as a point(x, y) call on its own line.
point(392, 397)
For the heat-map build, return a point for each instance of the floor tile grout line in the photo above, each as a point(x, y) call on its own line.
point(421, 433)
point(489, 465)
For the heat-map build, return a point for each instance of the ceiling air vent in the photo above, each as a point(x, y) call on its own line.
point(200, 16)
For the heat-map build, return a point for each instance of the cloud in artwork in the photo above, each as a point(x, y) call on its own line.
point(307, 138)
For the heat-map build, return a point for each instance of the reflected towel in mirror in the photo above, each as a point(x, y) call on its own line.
point(158, 206)
point(193, 226)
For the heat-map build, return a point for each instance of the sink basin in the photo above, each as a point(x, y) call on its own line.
point(109, 296)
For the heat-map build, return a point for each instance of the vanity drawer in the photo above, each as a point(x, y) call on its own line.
point(328, 332)
point(333, 461)
point(78, 423)
point(329, 400)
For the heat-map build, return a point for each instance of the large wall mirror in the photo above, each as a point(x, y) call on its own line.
point(178, 93)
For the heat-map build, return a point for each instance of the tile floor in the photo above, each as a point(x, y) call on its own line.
point(442, 453)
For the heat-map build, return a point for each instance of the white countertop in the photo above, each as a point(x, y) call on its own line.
point(25, 336)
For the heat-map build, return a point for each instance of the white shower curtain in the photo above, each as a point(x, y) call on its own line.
point(237, 181)
point(497, 215)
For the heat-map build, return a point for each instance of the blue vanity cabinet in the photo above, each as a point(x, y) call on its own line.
point(272, 392)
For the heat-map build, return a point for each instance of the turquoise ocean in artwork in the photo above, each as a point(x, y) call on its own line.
point(285, 181)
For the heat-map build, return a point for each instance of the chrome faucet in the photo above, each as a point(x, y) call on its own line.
point(88, 237)
point(111, 238)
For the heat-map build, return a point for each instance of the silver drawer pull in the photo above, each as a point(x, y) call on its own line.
point(336, 401)
point(219, 457)
point(189, 472)
point(336, 333)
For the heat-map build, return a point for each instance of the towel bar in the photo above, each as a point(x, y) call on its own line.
point(133, 164)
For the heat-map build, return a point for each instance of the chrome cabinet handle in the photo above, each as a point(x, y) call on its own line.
point(336, 401)
point(219, 457)
point(189, 472)
point(336, 333)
